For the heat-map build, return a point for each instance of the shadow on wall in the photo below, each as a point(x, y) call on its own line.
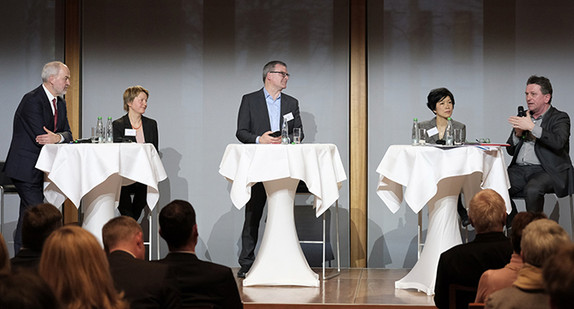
point(170, 159)
point(309, 127)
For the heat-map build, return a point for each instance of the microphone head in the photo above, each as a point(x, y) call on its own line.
point(521, 112)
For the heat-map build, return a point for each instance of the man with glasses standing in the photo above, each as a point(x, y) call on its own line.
point(260, 115)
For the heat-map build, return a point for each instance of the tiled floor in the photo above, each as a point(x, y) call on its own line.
point(353, 286)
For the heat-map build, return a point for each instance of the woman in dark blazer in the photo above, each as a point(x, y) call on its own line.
point(134, 127)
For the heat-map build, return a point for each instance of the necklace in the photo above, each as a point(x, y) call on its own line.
point(136, 128)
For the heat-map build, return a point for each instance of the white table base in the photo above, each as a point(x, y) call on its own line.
point(280, 260)
point(99, 205)
point(442, 234)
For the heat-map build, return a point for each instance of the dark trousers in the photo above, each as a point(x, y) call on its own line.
point(31, 194)
point(133, 207)
point(249, 235)
point(530, 182)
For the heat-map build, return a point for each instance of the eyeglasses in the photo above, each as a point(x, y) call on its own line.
point(282, 73)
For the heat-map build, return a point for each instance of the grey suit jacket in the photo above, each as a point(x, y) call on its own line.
point(253, 117)
point(429, 124)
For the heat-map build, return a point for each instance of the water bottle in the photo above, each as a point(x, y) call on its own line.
point(449, 133)
point(285, 133)
point(109, 131)
point(415, 135)
point(100, 130)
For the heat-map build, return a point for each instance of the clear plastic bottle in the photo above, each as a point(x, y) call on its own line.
point(449, 133)
point(415, 133)
point(100, 130)
point(285, 133)
point(109, 131)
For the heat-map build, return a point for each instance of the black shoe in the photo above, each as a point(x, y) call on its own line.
point(242, 272)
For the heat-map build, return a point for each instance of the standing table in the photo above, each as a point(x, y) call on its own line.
point(280, 260)
point(435, 176)
point(95, 173)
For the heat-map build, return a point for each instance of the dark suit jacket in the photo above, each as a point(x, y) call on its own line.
point(146, 284)
point(552, 149)
point(203, 283)
point(253, 117)
point(149, 129)
point(26, 259)
point(464, 264)
point(33, 113)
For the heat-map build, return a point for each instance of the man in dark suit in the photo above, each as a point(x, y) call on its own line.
point(464, 264)
point(40, 119)
point(539, 146)
point(37, 224)
point(202, 284)
point(261, 113)
point(145, 284)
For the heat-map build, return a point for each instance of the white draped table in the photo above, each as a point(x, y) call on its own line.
point(94, 174)
point(280, 260)
point(435, 177)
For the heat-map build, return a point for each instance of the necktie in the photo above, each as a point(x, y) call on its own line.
point(55, 114)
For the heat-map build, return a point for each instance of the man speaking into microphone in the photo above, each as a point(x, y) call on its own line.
point(539, 146)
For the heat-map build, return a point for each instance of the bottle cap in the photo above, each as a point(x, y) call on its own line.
point(449, 118)
point(415, 119)
point(99, 117)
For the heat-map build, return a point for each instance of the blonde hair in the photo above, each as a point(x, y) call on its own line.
point(541, 239)
point(131, 93)
point(487, 211)
point(119, 229)
point(4, 257)
point(77, 270)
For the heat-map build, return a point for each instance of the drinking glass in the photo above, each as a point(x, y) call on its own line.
point(458, 137)
point(297, 135)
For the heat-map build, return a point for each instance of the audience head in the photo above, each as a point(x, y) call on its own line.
point(487, 211)
point(558, 274)
point(131, 93)
point(436, 95)
point(4, 257)
point(270, 66)
point(540, 240)
point(543, 82)
point(38, 223)
point(520, 221)
point(124, 233)
point(26, 290)
point(177, 225)
point(76, 269)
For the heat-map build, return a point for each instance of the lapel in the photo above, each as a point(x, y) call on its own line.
point(263, 111)
point(47, 109)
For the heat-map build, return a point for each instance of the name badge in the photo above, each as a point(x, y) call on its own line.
point(432, 132)
point(288, 117)
point(130, 132)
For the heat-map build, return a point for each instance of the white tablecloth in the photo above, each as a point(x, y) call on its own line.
point(95, 173)
point(280, 260)
point(435, 176)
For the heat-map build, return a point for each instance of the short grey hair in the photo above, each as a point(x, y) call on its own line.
point(50, 69)
point(270, 66)
point(541, 239)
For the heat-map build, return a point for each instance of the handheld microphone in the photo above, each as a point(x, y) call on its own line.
point(522, 113)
